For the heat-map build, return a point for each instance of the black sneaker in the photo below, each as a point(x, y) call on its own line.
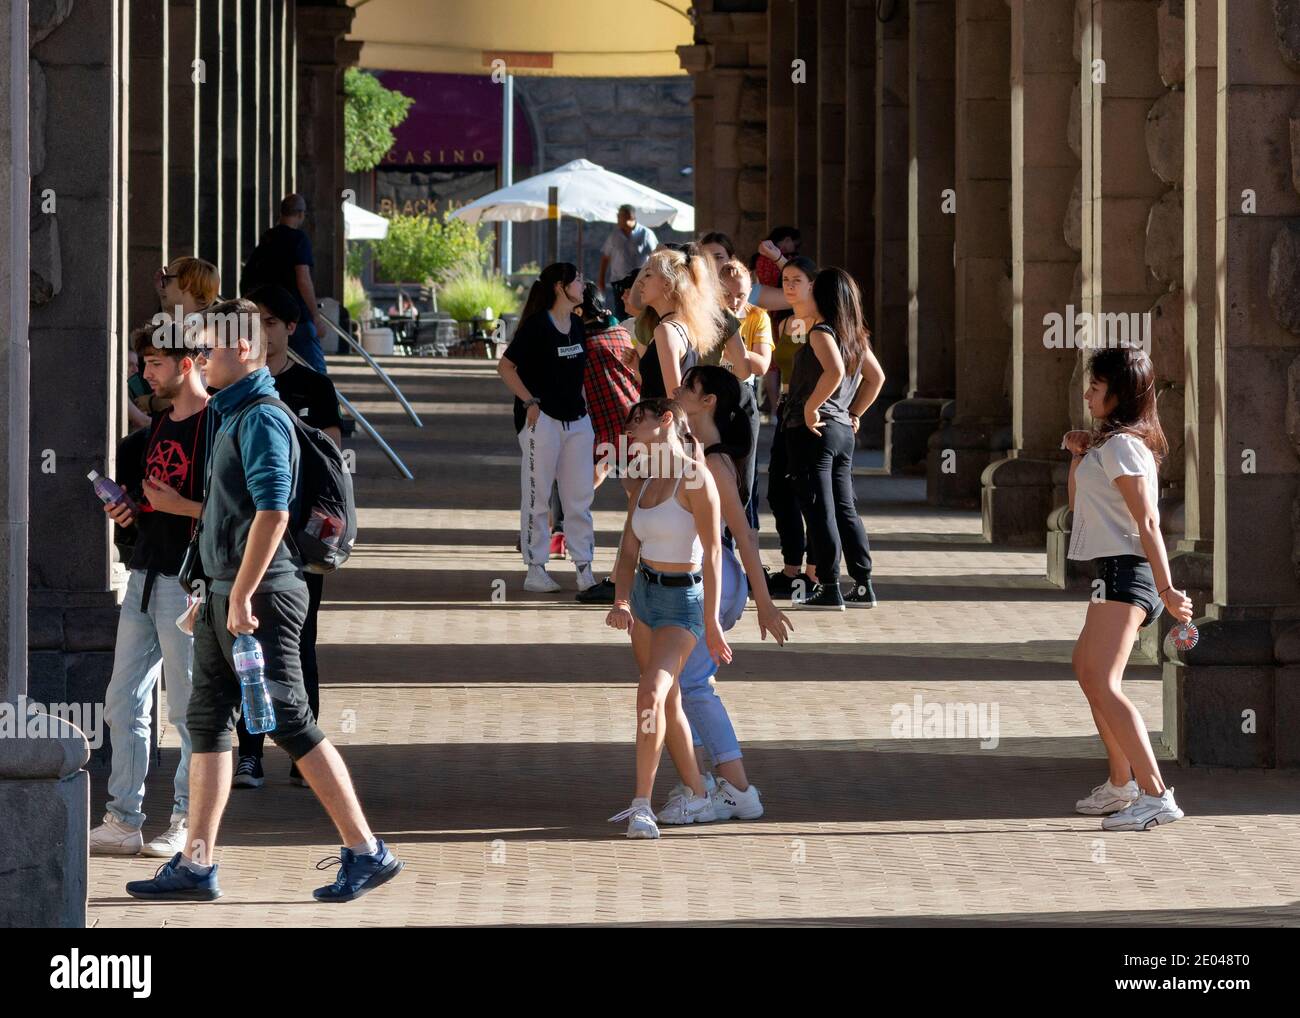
point(861, 594)
point(295, 776)
point(248, 773)
point(823, 596)
point(780, 586)
point(601, 593)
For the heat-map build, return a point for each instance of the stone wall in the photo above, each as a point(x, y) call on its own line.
point(638, 127)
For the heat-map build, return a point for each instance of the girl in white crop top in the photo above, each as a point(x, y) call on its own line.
point(666, 593)
point(1113, 489)
point(667, 531)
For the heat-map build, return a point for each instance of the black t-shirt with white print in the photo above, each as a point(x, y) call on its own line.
point(551, 366)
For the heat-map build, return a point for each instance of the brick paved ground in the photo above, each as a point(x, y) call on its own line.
point(489, 740)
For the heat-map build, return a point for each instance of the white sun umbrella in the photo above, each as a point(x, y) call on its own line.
point(359, 224)
point(587, 192)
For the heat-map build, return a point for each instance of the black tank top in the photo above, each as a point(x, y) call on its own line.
point(652, 374)
point(803, 380)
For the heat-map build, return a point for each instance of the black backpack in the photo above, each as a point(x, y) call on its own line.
point(326, 525)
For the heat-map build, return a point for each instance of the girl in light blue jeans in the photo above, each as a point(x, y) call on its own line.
point(711, 398)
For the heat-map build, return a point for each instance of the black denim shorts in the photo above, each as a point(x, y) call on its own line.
point(1128, 579)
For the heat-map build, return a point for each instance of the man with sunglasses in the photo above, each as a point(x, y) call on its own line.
point(255, 586)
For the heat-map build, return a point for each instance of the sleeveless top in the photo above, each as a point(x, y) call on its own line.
point(667, 531)
point(652, 373)
point(803, 380)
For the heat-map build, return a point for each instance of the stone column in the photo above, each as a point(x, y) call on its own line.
point(76, 313)
point(44, 793)
point(1234, 699)
point(889, 319)
point(149, 181)
point(182, 111)
point(805, 136)
point(1119, 194)
point(15, 286)
point(1193, 561)
point(323, 55)
point(781, 90)
point(832, 22)
point(250, 112)
point(209, 140)
point(1017, 493)
point(230, 244)
point(268, 115)
point(981, 427)
point(860, 157)
point(931, 225)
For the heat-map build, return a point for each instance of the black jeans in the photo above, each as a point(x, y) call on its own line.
point(215, 699)
point(782, 500)
point(251, 745)
point(822, 467)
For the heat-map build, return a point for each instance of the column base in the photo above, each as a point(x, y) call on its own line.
point(45, 800)
point(1065, 572)
point(1233, 700)
point(1016, 497)
point(959, 454)
point(909, 423)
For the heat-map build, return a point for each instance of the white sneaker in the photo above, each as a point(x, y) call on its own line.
point(172, 841)
point(585, 578)
point(1147, 812)
point(112, 837)
point(1107, 798)
point(539, 581)
point(688, 809)
point(730, 803)
point(640, 820)
point(681, 789)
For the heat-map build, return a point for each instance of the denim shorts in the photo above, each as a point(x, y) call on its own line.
point(1128, 579)
point(655, 605)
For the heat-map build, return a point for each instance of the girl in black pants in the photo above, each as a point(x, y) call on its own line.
point(820, 423)
point(796, 284)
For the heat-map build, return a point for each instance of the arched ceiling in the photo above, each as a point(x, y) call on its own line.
point(561, 38)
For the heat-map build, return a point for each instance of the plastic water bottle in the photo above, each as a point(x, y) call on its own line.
point(108, 490)
point(259, 713)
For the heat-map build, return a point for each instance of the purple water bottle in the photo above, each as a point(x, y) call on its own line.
point(109, 491)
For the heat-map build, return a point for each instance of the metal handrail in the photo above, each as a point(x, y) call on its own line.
point(415, 418)
point(366, 426)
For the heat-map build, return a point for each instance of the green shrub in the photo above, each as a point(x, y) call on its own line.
point(355, 299)
point(466, 294)
point(420, 248)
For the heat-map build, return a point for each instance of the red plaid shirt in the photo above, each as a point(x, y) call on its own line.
point(609, 383)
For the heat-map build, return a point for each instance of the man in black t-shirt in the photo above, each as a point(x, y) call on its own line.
point(283, 258)
point(164, 480)
point(311, 396)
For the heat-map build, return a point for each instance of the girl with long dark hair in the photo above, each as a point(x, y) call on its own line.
point(1113, 489)
point(796, 284)
point(666, 593)
point(711, 397)
point(544, 367)
point(821, 419)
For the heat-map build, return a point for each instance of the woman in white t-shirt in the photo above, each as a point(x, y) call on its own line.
point(1113, 493)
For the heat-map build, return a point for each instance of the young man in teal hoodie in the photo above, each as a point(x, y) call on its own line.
point(255, 586)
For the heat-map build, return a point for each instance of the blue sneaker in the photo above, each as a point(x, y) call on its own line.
point(357, 874)
point(173, 882)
